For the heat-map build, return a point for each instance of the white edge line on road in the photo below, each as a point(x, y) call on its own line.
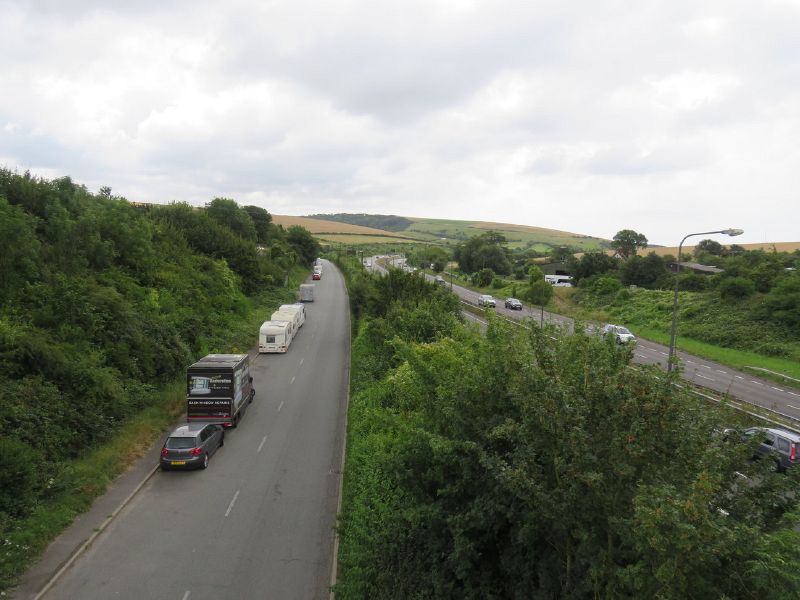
point(186, 595)
point(292, 381)
point(82, 548)
point(230, 506)
point(704, 377)
point(281, 406)
point(261, 445)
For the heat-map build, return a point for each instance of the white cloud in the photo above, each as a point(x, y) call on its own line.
point(591, 117)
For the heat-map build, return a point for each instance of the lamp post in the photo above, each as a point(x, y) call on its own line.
point(674, 331)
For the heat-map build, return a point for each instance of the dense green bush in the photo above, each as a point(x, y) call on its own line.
point(523, 464)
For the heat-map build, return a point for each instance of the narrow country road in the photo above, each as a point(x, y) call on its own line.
point(258, 523)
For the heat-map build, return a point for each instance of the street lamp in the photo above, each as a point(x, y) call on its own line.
point(674, 332)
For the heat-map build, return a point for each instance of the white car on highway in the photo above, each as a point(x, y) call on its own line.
point(486, 300)
point(619, 333)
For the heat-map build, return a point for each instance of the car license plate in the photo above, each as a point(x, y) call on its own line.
point(178, 462)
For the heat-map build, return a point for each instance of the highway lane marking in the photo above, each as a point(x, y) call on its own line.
point(705, 366)
point(792, 393)
point(292, 381)
point(704, 377)
point(186, 595)
point(794, 407)
point(281, 406)
point(261, 445)
point(302, 360)
point(230, 506)
point(776, 389)
point(718, 371)
point(641, 355)
point(738, 377)
point(662, 352)
point(756, 382)
point(691, 362)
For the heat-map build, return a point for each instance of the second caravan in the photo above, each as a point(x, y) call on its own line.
point(288, 315)
point(300, 309)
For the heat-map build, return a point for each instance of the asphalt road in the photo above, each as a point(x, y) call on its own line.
point(719, 378)
point(258, 523)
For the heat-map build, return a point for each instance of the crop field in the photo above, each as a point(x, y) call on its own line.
point(353, 239)
point(766, 247)
point(319, 226)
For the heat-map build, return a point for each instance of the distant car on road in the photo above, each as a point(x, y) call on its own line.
point(619, 333)
point(190, 446)
point(486, 300)
point(439, 280)
point(316, 276)
point(513, 304)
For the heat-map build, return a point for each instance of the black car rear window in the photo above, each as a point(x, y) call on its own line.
point(177, 443)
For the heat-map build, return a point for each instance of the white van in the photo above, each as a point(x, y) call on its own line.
point(274, 336)
point(298, 308)
point(288, 315)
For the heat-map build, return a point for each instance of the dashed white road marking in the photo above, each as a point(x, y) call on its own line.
point(705, 367)
point(691, 362)
point(186, 595)
point(302, 360)
point(719, 371)
point(281, 406)
point(292, 381)
point(641, 355)
point(704, 377)
point(792, 393)
point(261, 445)
point(230, 506)
point(756, 382)
point(776, 389)
point(738, 377)
point(662, 352)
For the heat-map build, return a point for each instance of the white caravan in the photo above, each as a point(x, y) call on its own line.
point(274, 336)
point(288, 315)
point(298, 308)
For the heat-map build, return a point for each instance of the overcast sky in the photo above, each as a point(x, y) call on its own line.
point(666, 117)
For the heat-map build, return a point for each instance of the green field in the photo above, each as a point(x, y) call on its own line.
point(518, 236)
point(451, 231)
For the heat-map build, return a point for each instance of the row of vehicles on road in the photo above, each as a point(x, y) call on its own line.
point(219, 388)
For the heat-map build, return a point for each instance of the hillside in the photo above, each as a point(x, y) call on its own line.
point(443, 231)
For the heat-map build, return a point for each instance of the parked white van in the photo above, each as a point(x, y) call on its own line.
point(274, 336)
point(298, 308)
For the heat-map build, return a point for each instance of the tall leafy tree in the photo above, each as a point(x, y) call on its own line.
point(628, 241)
point(226, 212)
